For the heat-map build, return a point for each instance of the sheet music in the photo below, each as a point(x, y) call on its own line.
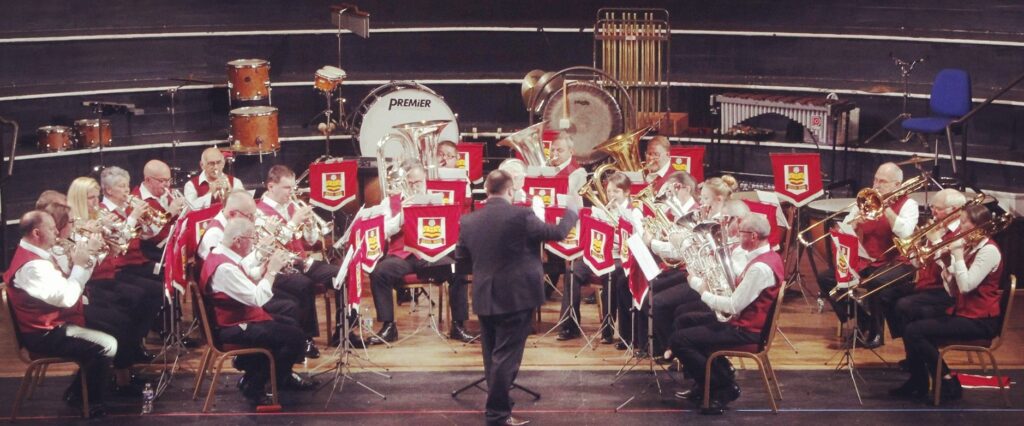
point(772, 198)
point(643, 256)
point(541, 171)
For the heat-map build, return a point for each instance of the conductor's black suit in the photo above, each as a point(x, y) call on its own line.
point(500, 245)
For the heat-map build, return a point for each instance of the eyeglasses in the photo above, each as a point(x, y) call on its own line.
point(215, 163)
point(160, 180)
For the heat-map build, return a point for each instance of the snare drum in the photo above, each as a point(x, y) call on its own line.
point(399, 103)
point(248, 79)
point(89, 133)
point(254, 130)
point(54, 138)
point(328, 78)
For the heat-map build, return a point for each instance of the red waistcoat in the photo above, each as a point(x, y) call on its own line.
point(983, 302)
point(202, 188)
point(228, 311)
point(930, 276)
point(34, 315)
point(396, 245)
point(155, 204)
point(876, 236)
point(133, 256)
point(753, 317)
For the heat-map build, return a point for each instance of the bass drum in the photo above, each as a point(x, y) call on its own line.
point(594, 117)
point(397, 103)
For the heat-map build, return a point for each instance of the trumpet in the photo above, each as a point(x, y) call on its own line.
point(870, 203)
point(930, 254)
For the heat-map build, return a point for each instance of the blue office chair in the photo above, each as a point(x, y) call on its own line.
point(950, 100)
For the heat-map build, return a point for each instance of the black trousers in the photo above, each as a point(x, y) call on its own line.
point(918, 306)
point(582, 274)
point(283, 339)
point(389, 274)
point(300, 289)
point(56, 343)
point(693, 346)
point(691, 314)
point(117, 324)
point(920, 336)
point(503, 339)
point(668, 280)
point(871, 316)
point(664, 305)
point(136, 297)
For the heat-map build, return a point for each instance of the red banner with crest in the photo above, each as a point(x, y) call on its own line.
point(430, 232)
point(689, 159)
point(185, 244)
point(333, 183)
point(368, 237)
point(569, 248)
point(797, 177)
point(597, 240)
point(845, 250)
point(452, 191)
point(770, 212)
point(546, 187)
point(471, 159)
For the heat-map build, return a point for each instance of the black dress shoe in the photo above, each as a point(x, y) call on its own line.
point(875, 341)
point(298, 383)
point(728, 394)
point(311, 350)
point(143, 356)
point(694, 394)
point(621, 346)
point(458, 332)
point(388, 333)
point(356, 341)
point(951, 390)
point(715, 408)
point(515, 421)
point(607, 339)
point(568, 334)
point(97, 411)
point(590, 300)
point(335, 339)
point(910, 389)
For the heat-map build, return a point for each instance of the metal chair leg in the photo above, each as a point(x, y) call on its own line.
point(22, 390)
point(999, 378)
point(204, 365)
point(213, 384)
point(767, 384)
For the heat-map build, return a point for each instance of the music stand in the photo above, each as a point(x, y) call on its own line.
point(905, 69)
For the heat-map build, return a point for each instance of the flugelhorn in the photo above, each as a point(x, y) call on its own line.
point(223, 186)
point(870, 203)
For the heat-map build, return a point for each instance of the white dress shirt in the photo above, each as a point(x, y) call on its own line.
point(986, 260)
point(310, 233)
point(757, 278)
point(41, 279)
point(577, 178)
point(232, 281)
point(658, 174)
point(212, 238)
point(196, 202)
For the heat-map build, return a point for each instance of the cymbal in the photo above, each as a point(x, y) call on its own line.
point(915, 160)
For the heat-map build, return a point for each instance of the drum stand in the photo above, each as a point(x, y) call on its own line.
point(637, 358)
point(347, 356)
point(905, 69)
point(570, 314)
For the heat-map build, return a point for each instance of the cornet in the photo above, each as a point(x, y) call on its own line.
point(314, 222)
point(150, 216)
point(223, 186)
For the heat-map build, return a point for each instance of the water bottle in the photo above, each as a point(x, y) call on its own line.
point(148, 395)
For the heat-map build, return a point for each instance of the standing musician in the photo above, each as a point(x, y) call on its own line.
point(206, 189)
point(390, 272)
point(277, 202)
point(292, 290)
point(617, 190)
point(658, 165)
point(876, 236)
point(155, 190)
point(112, 282)
point(499, 246)
point(239, 311)
point(927, 298)
point(972, 279)
point(48, 308)
point(749, 305)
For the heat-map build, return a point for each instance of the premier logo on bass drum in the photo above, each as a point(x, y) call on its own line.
point(408, 103)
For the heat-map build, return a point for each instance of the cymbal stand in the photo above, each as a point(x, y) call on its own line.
point(905, 69)
point(569, 314)
point(637, 358)
point(347, 356)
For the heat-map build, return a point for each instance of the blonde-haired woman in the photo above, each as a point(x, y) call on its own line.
point(714, 193)
point(84, 198)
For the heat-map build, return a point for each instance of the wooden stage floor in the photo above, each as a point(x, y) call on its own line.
point(812, 336)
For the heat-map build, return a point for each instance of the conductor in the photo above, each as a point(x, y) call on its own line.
point(500, 246)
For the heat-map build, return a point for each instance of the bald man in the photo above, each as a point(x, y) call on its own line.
point(898, 219)
point(155, 191)
point(201, 190)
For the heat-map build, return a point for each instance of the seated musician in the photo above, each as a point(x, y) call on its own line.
point(50, 196)
point(291, 289)
point(617, 190)
point(49, 312)
point(926, 298)
point(208, 187)
point(749, 306)
point(667, 288)
point(972, 279)
point(447, 154)
point(517, 169)
point(390, 272)
point(238, 303)
point(155, 190)
point(658, 165)
point(114, 321)
point(876, 236)
point(277, 202)
point(112, 284)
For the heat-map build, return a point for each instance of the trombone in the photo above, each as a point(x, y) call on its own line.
point(929, 254)
point(870, 203)
point(911, 244)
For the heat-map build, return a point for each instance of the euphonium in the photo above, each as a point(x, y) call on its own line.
point(528, 144)
point(716, 268)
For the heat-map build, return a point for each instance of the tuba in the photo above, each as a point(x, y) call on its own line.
point(528, 144)
point(417, 141)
